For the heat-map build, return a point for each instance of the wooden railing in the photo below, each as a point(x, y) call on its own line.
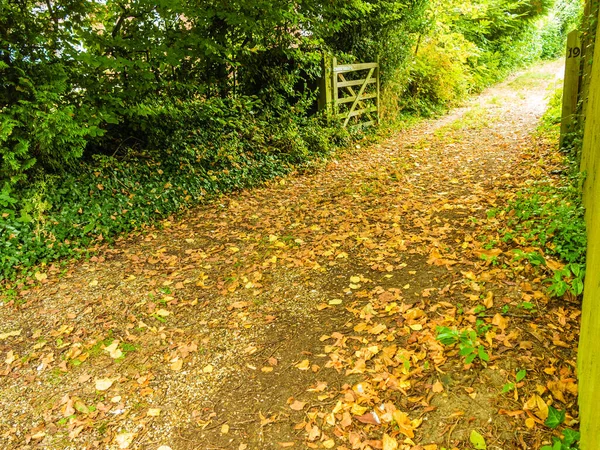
point(351, 92)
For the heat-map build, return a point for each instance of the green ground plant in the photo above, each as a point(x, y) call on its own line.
point(549, 215)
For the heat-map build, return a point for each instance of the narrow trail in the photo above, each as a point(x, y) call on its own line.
point(303, 314)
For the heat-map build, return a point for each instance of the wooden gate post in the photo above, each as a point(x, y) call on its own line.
point(588, 358)
point(571, 84)
point(325, 101)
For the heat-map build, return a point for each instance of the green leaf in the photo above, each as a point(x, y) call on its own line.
point(508, 387)
point(555, 417)
point(477, 440)
point(521, 374)
point(570, 437)
point(483, 354)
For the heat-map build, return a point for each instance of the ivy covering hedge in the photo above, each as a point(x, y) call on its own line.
point(113, 114)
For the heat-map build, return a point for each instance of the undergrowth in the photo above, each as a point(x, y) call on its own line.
point(66, 215)
point(548, 214)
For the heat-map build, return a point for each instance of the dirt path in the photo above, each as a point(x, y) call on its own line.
point(304, 314)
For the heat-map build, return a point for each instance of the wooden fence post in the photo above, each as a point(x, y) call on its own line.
point(325, 101)
point(589, 341)
point(571, 84)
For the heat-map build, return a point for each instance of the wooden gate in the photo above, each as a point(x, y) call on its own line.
point(350, 92)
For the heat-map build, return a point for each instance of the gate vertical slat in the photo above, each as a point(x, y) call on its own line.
point(335, 87)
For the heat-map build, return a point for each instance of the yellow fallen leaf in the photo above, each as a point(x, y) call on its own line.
point(389, 443)
point(437, 387)
point(9, 334)
point(176, 365)
point(40, 276)
point(329, 443)
point(304, 365)
point(355, 280)
point(93, 283)
point(113, 350)
point(153, 412)
point(208, 369)
point(162, 313)
point(530, 423)
point(225, 429)
point(266, 369)
point(416, 327)
point(488, 302)
point(358, 410)
point(103, 384)
point(335, 301)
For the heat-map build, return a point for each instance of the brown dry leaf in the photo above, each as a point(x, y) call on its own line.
point(298, 405)
point(370, 418)
point(437, 387)
point(488, 302)
point(538, 406)
point(500, 321)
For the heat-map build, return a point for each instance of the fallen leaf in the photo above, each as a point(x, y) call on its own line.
point(124, 440)
point(176, 365)
point(298, 405)
point(304, 365)
point(389, 443)
point(103, 384)
point(9, 334)
point(477, 440)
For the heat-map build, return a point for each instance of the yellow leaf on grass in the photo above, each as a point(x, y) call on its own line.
point(329, 443)
point(335, 301)
point(355, 280)
point(225, 429)
point(208, 369)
